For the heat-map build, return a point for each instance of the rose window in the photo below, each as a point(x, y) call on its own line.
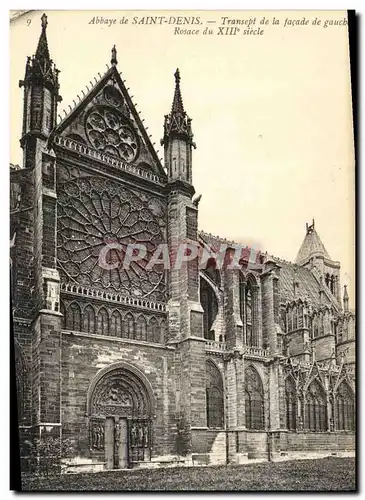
point(97, 219)
point(108, 131)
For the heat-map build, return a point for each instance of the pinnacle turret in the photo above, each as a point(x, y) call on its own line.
point(41, 91)
point(345, 299)
point(178, 140)
point(313, 255)
point(40, 68)
point(312, 246)
point(177, 123)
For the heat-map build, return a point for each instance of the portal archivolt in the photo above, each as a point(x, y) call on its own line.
point(120, 408)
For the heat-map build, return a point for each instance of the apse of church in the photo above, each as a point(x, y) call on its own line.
point(141, 364)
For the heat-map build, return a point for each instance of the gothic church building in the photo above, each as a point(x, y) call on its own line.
point(145, 366)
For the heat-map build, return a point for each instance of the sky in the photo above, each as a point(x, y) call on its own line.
point(272, 113)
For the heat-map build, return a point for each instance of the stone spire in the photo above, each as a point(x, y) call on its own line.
point(40, 68)
point(177, 103)
point(42, 53)
point(177, 123)
point(345, 299)
point(312, 246)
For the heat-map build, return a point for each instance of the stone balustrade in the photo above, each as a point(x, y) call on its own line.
point(115, 162)
point(256, 351)
point(214, 346)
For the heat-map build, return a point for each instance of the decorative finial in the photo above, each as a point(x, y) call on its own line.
point(310, 228)
point(44, 21)
point(177, 76)
point(113, 60)
point(345, 299)
point(342, 357)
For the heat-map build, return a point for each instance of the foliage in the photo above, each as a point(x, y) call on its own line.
point(45, 455)
point(183, 436)
point(329, 474)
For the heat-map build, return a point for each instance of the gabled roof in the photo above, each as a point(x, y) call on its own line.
point(215, 243)
point(297, 281)
point(307, 285)
point(111, 75)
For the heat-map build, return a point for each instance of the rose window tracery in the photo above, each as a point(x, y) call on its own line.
point(97, 219)
point(109, 131)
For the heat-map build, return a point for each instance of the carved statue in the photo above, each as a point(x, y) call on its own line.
point(196, 200)
point(134, 434)
point(146, 432)
point(94, 437)
point(98, 436)
point(97, 440)
point(332, 426)
point(140, 435)
point(113, 395)
point(286, 343)
point(117, 434)
point(313, 352)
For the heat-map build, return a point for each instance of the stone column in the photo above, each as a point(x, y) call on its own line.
point(231, 391)
point(257, 318)
point(192, 370)
point(240, 389)
point(46, 374)
point(274, 396)
point(233, 322)
point(268, 322)
point(243, 305)
point(300, 413)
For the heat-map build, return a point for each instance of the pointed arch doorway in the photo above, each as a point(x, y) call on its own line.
point(120, 410)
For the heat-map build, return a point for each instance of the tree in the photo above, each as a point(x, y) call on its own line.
point(183, 437)
point(46, 454)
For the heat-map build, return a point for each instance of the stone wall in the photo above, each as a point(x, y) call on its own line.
point(82, 358)
point(317, 441)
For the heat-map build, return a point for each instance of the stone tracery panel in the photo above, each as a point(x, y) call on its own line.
point(344, 407)
point(109, 131)
point(114, 322)
point(214, 396)
point(254, 399)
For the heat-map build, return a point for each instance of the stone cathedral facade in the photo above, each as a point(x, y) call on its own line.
point(152, 365)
